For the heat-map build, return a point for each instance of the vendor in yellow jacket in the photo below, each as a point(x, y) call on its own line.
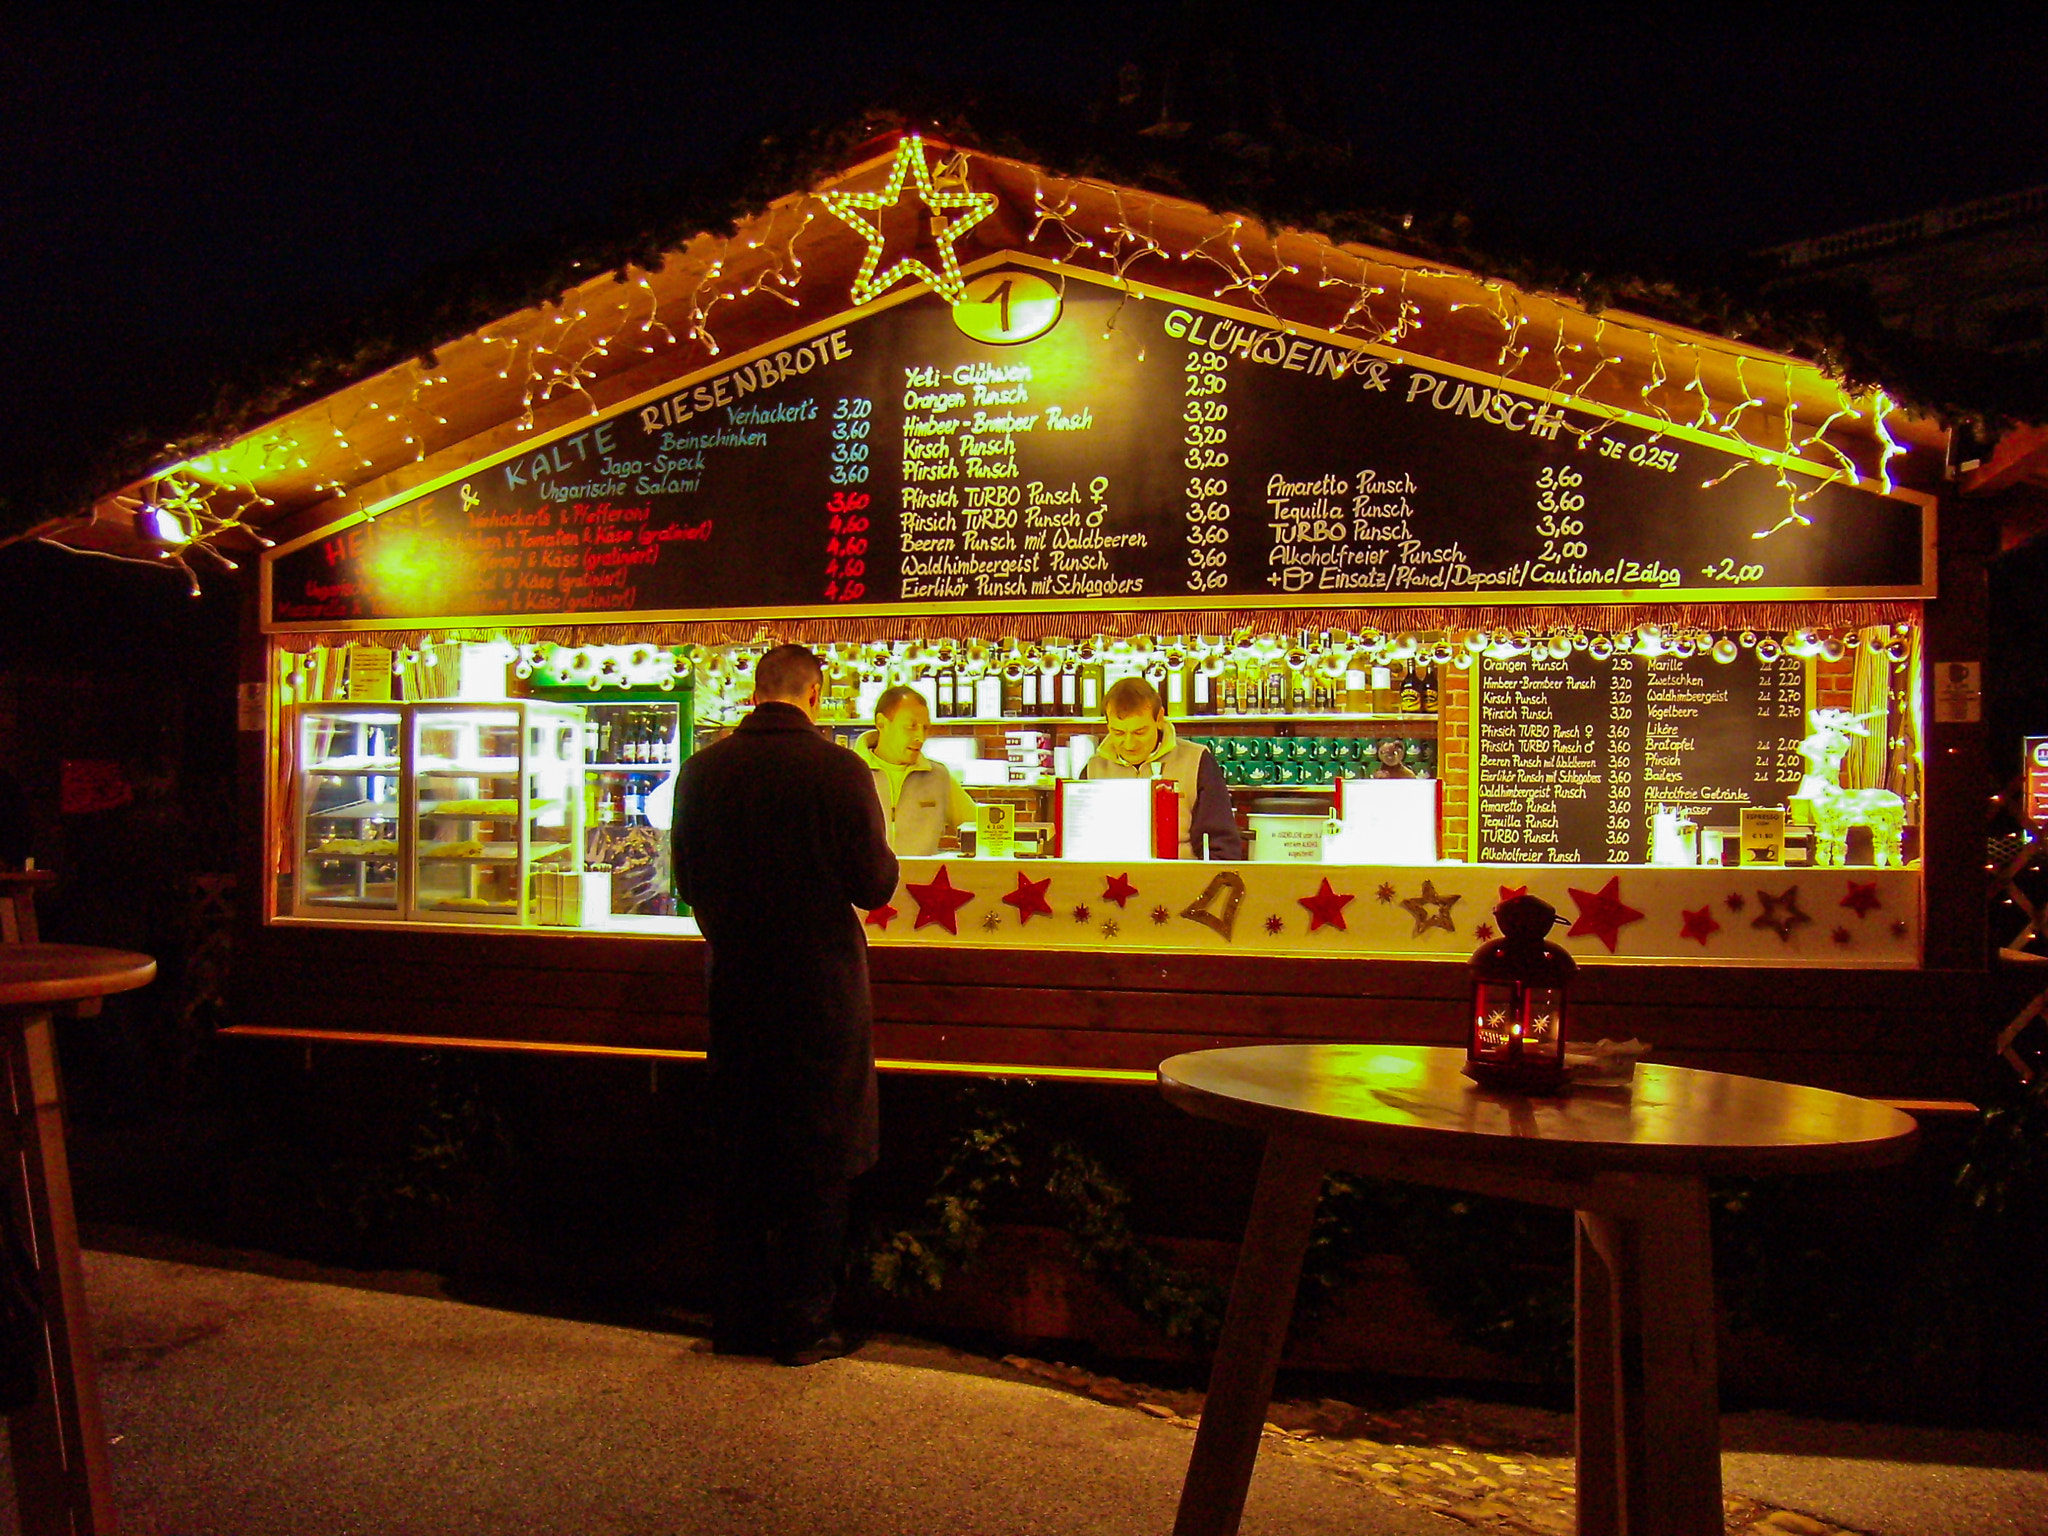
point(1139, 742)
point(920, 801)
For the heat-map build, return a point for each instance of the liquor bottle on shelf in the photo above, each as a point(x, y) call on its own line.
point(1411, 691)
point(1273, 691)
point(1031, 703)
point(988, 695)
point(1091, 682)
point(1176, 685)
point(1070, 688)
point(1382, 689)
point(943, 682)
point(593, 734)
point(964, 683)
point(1429, 690)
point(1013, 690)
point(1201, 691)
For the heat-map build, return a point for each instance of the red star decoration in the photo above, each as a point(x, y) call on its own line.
point(1734, 901)
point(1510, 892)
point(1603, 913)
point(882, 917)
point(1274, 924)
point(1862, 899)
point(938, 900)
point(1326, 906)
point(1119, 889)
point(1029, 899)
point(1386, 893)
point(1698, 925)
point(1483, 933)
point(1840, 936)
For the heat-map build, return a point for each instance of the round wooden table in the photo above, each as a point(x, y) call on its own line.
point(1631, 1161)
point(59, 1442)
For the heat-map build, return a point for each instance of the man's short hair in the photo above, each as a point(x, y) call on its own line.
point(787, 672)
point(1131, 696)
point(895, 698)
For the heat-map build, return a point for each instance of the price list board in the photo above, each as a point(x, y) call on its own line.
point(1124, 450)
point(1574, 756)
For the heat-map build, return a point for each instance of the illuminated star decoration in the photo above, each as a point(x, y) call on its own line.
point(1700, 924)
point(1029, 899)
point(1603, 913)
point(1081, 914)
point(1325, 907)
point(1780, 912)
point(938, 900)
point(1431, 910)
point(849, 207)
point(882, 917)
point(1862, 899)
point(1274, 924)
point(1118, 888)
point(1385, 892)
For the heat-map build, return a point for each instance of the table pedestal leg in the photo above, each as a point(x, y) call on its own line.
point(1648, 1423)
point(1254, 1329)
point(58, 1443)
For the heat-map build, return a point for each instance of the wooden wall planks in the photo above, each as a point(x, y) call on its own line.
point(1923, 1034)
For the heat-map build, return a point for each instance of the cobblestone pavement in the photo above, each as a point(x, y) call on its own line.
point(1493, 1469)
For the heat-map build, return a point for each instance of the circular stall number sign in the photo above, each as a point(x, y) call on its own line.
point(1006, 307)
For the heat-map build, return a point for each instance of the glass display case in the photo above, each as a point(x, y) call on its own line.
point(349, 797)
point(496, 791)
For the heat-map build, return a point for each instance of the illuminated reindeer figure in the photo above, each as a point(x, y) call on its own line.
point(1835, 809)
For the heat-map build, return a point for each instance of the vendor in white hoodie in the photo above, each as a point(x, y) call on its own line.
point(919, 799)
point(1138, 742)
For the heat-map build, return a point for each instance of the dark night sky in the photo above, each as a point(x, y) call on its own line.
point(180, 191)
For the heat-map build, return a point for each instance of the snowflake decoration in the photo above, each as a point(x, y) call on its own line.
point(991, 922)
point(1160, 915)
point(1081, 914)
point(1385, 894)
point(1109, 929)
point(1735, 902)
point(1274, 923)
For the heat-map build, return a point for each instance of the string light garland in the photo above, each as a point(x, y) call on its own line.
point(1366, 294)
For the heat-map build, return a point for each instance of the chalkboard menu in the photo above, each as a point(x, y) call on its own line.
point(1573, 757)
point(1138, 453)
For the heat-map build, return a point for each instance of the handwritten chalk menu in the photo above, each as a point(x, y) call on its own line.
point(1140, 452)
point(1573, 757)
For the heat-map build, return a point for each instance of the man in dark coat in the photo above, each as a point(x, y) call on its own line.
point(778, 839)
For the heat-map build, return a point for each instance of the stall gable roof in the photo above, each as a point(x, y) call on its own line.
point(911, 208)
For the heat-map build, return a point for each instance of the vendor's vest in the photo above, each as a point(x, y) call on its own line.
point(1182, 764)
point(918, 819)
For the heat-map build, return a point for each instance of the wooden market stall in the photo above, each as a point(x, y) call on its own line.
point(958, 421)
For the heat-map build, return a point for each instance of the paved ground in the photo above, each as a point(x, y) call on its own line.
point(245, 1404)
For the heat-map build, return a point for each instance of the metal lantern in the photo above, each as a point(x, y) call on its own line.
point(1517, 1033)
